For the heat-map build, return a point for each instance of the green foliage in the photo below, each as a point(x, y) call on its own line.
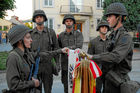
point(29, 24)
point(6, 5)
point(3, 57)
point(133, 9)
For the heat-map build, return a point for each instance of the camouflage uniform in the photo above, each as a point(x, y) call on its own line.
point(42, 40)
point(119, 55)
point(72, 40)
point(97, 46)
point(18, 70)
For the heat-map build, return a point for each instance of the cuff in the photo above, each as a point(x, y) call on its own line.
point(31, 83)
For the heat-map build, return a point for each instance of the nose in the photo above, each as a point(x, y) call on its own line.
point(107, 18)
point(31, 40)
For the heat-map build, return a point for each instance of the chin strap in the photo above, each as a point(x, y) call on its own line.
point(117, 21)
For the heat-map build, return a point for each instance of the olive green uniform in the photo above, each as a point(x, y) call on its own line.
point(42, 40)
point(97, 46)
point(18, 72)
point(120, 56)
point(72, 40)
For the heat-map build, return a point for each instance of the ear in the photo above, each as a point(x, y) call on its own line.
point(20, 41)
point(120, 18)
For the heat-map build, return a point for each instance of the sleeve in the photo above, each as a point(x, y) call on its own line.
point(50, 54)
point(56, 51)
point(13, 76)
point(59, 41)
point(55, 40)
point(79, 40)
point(121, 50)
point(91, 48)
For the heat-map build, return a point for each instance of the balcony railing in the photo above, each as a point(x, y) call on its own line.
point(76, 9)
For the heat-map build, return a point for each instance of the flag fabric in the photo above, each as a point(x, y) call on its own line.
point(84, 73)
point(73, 59)
point(96, 71)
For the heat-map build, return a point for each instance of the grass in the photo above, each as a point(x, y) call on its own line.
point(3, 57)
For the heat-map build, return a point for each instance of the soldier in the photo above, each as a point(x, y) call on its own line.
point(119, 47)
point(19, 61)
point(97, 46)
point(71, 39)
point(45, 39)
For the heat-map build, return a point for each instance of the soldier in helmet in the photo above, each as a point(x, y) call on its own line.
point(119, 47)
point(71, 39)
point(97, 46)
point(45, 39)
point(19, 61)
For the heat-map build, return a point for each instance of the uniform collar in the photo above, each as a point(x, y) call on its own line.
point(69, 33)
point(36, 31)
point(100, 39)
point(19, 51)
point(27, 54)
point(121, 28)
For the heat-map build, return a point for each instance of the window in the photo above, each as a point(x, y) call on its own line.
point(100, 4)
point(48, 3)
point(75, 5)
point(50, 23)
point(5, 28)
point(98, 20)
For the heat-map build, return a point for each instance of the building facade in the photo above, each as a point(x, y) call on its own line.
point(5, 25)
point(86, 12)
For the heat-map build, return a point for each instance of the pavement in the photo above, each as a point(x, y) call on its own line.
point(5, 47)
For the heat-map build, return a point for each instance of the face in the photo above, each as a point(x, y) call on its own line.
point(112, 20)
point(39, 19)
point(68, 22)
point(103, 30)
point(27, 40)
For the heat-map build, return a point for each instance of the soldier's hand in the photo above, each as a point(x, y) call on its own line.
point(90, 56)
point(78, 50)
point(36, 82)
point(65, 50)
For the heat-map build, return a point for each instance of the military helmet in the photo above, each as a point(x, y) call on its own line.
point(37, 13)
point(69, 16)
point(102, 23)
point(17, 33)
point(116, 8)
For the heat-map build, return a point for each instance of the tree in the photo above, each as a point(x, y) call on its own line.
point(6, 5)
point(133, 9)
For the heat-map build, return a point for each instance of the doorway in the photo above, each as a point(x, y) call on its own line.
point(78, 26)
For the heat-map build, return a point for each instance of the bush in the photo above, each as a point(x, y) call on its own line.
point(3, 57)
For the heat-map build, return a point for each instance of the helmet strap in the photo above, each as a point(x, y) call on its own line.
point(117, 22)
point(102, 32)
point(40, 23)
point(69, 26)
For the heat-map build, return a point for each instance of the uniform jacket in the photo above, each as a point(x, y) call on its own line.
point(72, 40)
point(42, 40)
point(121, 55)
point(18, 72)
point(98, 46)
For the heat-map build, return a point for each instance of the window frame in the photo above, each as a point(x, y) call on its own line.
point(101, 2)
point(48, 3)
point(47, 23)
